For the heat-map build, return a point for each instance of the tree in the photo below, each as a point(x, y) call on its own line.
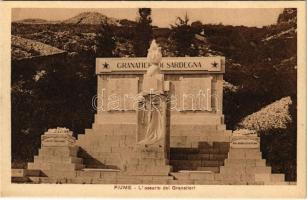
point(105, 41)
point(143, 33)
point(182, 36)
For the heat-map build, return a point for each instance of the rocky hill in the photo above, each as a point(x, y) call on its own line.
point(91, 18)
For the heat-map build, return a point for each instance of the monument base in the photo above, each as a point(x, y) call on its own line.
point(58, 154)
point(151, 160)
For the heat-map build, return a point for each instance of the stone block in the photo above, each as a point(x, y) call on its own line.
point(18, 172)
point(88, 174)
point(218, 157)
point(128, 181)
point(212, 169)
point(237, 171)
point(218, 177)
point(231, 162)
point(82, 180)
point(66, 166)
point(159, 182)
point(201, 156)
point(180, 182)
point(278, 183)
point(209, 150)
point(210, 163)
point(277, 178)
point(230, 178)
point(202, 176)
point(219, 137)
point(180, 175)
point(236, 154)
point(207, 182)
point(59, 151)
point(204, 145)
point(264, 177)
point(162, 177)
point(109, 175)
point(261, 162)
point(59, 173)
point(20, 179)
point(39, 166)
point(33, 172)
point(42, 180)
point(222, 146)
point(259, 170)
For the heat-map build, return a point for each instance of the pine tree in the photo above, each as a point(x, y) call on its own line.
point(182, 36)
point(105, 41)
point(143, 33)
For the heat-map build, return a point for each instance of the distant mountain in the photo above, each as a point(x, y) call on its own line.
point(32, 21)
point(90, 18)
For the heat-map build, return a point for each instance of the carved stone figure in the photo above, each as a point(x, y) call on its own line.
point(153, 104)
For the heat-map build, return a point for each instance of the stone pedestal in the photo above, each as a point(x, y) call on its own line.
point(244, 164)
point(58, 154)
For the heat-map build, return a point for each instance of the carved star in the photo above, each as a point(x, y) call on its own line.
point(214, 64)
point(105, 65)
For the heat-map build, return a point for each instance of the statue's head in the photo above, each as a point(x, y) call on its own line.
point(154, 54)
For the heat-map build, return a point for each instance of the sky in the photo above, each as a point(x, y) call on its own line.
point(163, 17)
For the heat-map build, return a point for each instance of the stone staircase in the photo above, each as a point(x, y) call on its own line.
point(204, 158)
point(241, 167)
point(103, 145)
point(56, 161)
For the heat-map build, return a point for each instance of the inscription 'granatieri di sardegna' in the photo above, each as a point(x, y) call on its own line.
point(213, 64)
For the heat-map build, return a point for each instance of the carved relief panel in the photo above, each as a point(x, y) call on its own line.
point(122, 94)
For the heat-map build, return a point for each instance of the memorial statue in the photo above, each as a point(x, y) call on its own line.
point(153, 98)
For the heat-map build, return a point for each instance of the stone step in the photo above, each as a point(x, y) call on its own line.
point(55, 166)
point(58, 159)
point(244, 162)
point(269, 178)
point(141, 170)
point(245, 169)
point(196, 175)
point(198, 156)
point(212, 169)
point(194, 164)
point(205, 131)
point(214, 150)
point(59, 151)
point(20, 179)
point(184, 150)
point(24, 172)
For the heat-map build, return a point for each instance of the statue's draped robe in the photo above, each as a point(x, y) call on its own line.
point(154, 129)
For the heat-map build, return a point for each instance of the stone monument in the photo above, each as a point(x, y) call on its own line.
point(159, 121)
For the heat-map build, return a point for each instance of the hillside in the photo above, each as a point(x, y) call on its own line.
point(273, 116)
point(32, 21)
point(25, 48)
